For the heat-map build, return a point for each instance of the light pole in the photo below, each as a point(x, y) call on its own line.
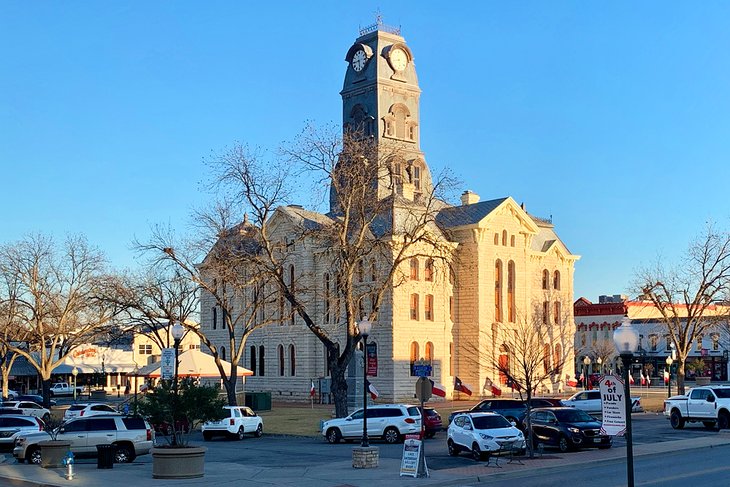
point(599, 360)
point(626, 340)
point(586, 363)
point(177, 333)
point(75, 372)
point(135, 371)
point(669, 376)
point(365, 326)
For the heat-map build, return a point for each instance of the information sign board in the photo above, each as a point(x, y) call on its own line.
point(613, 406)
point(167, 364)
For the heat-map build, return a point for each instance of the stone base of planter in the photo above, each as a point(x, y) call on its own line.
point(178, 463)
point(365, 457)
point(53, 453)
point(702, 381)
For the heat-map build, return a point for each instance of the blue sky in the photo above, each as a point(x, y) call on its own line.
point(611, 117)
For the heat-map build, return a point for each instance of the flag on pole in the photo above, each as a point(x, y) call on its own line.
point(582, 378)
point(570, 381)
point(493, 388)
point(643, 379)
point(437, 389)
point(372, 390)
point(666, 377)
point(312, 390)
point(461, 387)
point(631, 378)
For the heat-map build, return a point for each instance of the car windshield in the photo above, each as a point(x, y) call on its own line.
point(722, 393)
point(490, 422)
point(573, 416)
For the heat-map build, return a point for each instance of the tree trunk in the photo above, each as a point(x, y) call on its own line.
point(680, 377)
point(46, 385)
point(230, 385)
point(339, 389)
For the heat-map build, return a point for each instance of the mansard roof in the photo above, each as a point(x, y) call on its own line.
point(457, 216)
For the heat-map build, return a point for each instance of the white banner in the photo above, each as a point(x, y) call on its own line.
point(411, 454)
point(613, 405)
point(167, 363)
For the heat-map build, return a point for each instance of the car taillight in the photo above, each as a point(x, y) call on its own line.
point(149, 434)
point(410, 420)
point(40, 424)
point(82, 413)
point(232, 422)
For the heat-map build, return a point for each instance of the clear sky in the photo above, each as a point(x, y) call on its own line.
point(611, 117)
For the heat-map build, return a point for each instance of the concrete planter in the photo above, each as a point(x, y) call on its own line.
point(178, 463)
point(702, 381)
point(53, 452)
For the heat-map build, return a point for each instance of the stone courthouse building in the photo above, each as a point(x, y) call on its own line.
point(507, 265)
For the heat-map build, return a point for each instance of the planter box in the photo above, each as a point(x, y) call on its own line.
point(53, 453)
point(702, 381)
point(178, 463)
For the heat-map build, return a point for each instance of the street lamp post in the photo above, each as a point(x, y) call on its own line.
point(75, 372)
point(365, 326)
point(669, 376)
point(177, 333)
point(626, 340)
point(135, 371)
point(586, 363)
point(599, 360)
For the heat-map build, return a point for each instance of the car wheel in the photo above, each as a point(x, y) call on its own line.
point(563, 444)
point(34, 456)
point(333, 435)
point(259, 431)
point(453, 449)
point(723, 421)
point(391, 435)
point(207, 436)
point(124, 454)
point(677, 421)
point(709, 424)
point(476, 453)
point(240, 434)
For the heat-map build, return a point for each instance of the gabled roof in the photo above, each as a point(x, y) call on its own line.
point(457, 216)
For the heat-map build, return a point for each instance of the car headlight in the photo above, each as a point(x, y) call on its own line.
point(574, 430)
point(519, 434)
point(486, 437)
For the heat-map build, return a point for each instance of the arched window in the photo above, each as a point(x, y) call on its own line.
point(504, 237)
point(223, 353)
point(498, 291)
point(545, 279)
point(414, 269)
point(558, 359)
point(546, 358)
point(429, 353)
point(417, 171)
point(556, 313)
point(373, 273)
point(360, 271)
point(292, 361)
point(252, 351)
point(496, 239)
point(280, 353)
point(428, 270)
point(291, 286)
point(556, 280)
point(400, 114)
point(504, 366)
point(327, 297)
point(511, 291)
point(414, 306)
point(414, 356)
point(512, 241)
point(215, 317)
point(545, 312)
point(428, 307)
point(262, 361)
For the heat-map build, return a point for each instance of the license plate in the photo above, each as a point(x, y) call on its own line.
point(596, 440)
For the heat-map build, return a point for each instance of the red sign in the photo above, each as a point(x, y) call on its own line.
point(372, 362)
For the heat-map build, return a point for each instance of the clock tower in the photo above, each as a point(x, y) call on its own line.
point(380, 99)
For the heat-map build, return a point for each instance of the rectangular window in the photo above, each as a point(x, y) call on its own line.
point(556, 317)
point(653, 340)
point(428, 270)
point(715, 342)
point(145, 349)
point(583, 339)
point(429, 307)
point(545, 312)
point(699, 343)
point(416, 178)
point(414, 269)
point(414, 306)
point(215, 317)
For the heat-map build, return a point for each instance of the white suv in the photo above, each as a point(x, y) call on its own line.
point(90, 409)
point(387, 421)
point(240, 420)
point(482, 434)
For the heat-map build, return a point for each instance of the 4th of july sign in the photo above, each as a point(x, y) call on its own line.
point(613, 405)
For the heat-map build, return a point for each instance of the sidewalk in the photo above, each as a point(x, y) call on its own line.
point(337, 474)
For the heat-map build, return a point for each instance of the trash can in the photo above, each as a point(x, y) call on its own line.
point(258, 401)
point(106, 455)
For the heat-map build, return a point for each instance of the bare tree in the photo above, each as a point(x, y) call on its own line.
point(685, 294)
point(364, 230)
point(59, 303)
point(603, 349)
point(9, 323)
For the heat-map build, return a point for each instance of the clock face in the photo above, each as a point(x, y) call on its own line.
point(398, 59)
point(358, 60)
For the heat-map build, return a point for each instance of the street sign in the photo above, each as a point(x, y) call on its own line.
point(167, 363)
point(613, 405)
point(423, 389)
point(422, 370)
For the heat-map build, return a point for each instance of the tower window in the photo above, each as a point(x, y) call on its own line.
point(428, 311)
point(414, 269)
point(414, 306)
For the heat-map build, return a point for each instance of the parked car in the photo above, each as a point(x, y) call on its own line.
point(133, 436)
point(567, 428)
point(29, 408)
point(483, 434)
point(546, 402)
point(12, 395)
point(35, 398)
point(708, 404)
point(240, 420)
point(64, 389)
point(387, 421)
point(590, 402)
point(88, 409)
point(12, 425)
point(512, 409)
point(431, 422)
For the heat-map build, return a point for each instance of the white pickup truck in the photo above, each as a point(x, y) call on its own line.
point(708, 404)
point(63, 389)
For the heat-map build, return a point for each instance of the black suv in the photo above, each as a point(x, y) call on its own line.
point(566, 428)
point(512, 409)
